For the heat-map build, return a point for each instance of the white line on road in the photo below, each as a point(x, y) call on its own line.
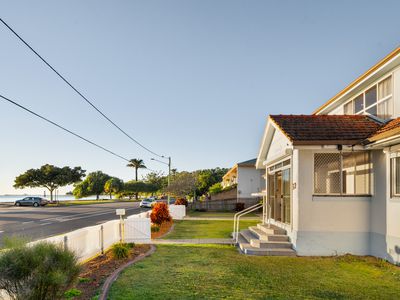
point(1, 231)
point(27, 222)
point(45, 224)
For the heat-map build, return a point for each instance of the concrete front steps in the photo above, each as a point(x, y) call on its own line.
point(265, 240)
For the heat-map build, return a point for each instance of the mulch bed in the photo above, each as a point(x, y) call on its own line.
point(164, 228)
point(96, 271)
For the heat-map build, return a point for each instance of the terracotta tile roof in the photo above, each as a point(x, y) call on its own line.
point(387, 130)
point(326, 129)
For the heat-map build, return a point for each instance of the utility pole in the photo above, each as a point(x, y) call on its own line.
point(169, 176)
point(169, 171)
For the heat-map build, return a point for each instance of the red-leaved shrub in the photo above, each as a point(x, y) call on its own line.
point(160, 213)
point(181, 201)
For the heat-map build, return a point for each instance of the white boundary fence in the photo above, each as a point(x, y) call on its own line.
point(177, 212)
point(90, 241)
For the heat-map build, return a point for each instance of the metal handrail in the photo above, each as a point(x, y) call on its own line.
point(236, 219)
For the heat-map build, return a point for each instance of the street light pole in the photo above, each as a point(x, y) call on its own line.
point(169, 176)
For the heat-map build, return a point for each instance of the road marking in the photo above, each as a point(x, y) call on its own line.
point(1, 231)
point(27, 222)
point(45, 224)
point(83, 215)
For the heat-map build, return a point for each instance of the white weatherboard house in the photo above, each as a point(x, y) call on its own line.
point(246, 177)
point(333, 177)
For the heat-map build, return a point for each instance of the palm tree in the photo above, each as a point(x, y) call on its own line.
point(136, 163)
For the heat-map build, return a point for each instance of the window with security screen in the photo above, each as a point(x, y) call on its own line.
point(347, 173)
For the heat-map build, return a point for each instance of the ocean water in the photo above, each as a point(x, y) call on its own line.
point(12, 198)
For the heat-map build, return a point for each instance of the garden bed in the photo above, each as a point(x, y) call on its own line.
point(164, 229)
point(96, 271)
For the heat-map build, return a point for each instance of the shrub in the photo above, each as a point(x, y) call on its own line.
point(215, 188)
point(42, 271)
point(160, 213)
point(181, 201)
point(120, 250)
point(70, 294)
point(155, 228)
point(239, 206)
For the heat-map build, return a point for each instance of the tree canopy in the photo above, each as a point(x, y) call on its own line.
point(49, 177)
point(92, 185)
point(158, 179)
point(113, 185)
point(136, 163)
point(184, 183)
point(135, 187)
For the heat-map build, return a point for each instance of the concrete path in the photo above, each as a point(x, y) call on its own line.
point(192, 241)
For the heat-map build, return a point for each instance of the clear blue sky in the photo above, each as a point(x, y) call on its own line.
point(191, 79)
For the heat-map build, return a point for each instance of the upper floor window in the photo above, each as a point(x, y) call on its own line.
point(376, 101)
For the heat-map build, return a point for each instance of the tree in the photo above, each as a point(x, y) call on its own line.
point(136, 187)
point(113, 186)
point(136, 164)
point(50, 177)
point(158, 179)
point(215, 188)
point(183, 184)
point(92, 185)
point(207, 178)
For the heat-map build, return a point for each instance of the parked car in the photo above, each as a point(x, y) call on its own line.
point(165, 200)
point(31, 201)
point(148, 202)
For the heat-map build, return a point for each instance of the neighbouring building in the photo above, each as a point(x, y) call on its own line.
point(246, 178)
point(333, 177)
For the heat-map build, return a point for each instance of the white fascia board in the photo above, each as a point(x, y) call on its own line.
point(393, 140)
point(265, 144)
point(328, 147)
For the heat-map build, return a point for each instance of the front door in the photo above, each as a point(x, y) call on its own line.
point(279, 195)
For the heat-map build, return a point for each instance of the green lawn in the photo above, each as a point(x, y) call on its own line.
point(199, 229)
point(217, 214)
point(216, 272)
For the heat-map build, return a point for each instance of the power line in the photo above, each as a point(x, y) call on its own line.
point(78, 92)
point(63, 128)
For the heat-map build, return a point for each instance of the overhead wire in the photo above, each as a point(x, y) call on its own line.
point(78, 92)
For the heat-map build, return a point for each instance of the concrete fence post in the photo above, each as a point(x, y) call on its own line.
point(65, 242)
point(102, 239)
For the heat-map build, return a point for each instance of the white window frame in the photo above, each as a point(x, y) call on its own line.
point(376, 84)
point(393, 176)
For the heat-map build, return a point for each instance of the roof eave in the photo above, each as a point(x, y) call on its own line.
point(327, 142)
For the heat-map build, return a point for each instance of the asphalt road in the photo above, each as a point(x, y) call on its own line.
point(36, 223)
